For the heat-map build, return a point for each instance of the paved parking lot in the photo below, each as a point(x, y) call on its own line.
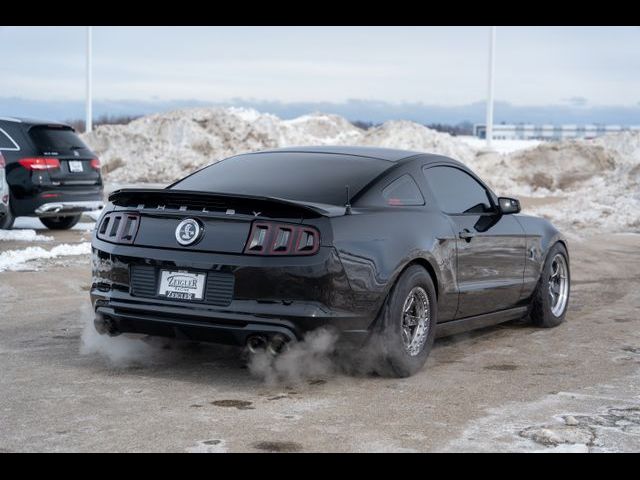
point(510, 387)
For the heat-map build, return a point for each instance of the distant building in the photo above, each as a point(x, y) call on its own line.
point(525, 131)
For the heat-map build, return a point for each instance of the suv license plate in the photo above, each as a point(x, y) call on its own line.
point(75, 166)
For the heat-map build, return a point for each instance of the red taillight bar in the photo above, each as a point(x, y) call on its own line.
point(271, 238)
point(39, 163)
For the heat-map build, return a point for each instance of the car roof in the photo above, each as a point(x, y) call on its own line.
point(377, 153)
point(32, 122)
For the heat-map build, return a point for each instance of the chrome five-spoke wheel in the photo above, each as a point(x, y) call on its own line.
point(416, 320)
point(558, 285)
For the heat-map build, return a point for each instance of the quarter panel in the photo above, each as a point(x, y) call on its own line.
point(541, 235)
point(375, 245)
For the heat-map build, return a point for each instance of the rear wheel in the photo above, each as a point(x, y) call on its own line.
point(551, 298)
point(408, 323)
point(60, 223)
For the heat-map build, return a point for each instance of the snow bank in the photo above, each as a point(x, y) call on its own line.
point(598, 181)
point(164, 147)
point(16, 259)
point(23, 236)
point(595, 184)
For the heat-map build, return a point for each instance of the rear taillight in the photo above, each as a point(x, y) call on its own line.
point(95, 164)
point(270, 238)
point(119, 227)
point(40, 163)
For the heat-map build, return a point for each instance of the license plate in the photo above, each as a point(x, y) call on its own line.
point(182, 285)
point(75, 166)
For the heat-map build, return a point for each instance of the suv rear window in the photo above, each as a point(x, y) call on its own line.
point(56, 139)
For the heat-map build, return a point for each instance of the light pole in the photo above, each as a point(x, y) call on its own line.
point(89, 106)
point(492, 61)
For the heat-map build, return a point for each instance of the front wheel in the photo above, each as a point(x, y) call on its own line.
point(551, 298)
point(60, 223)
point(408, 322)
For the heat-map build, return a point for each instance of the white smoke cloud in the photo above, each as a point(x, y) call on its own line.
point(309, 358)
point(124, 351)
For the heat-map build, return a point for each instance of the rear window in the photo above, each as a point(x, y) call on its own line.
point(308, 177)
point(51, 139)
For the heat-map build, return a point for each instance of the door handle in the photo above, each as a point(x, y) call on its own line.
point(466, 234)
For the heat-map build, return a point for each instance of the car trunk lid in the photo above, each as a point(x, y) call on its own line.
point(226, 219)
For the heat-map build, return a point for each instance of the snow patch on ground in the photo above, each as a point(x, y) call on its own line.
point(600, 418)
point(17, 259)
point(23, 236)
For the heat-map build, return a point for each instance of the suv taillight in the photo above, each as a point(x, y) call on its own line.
point(95, 164)
point(119, 227)
point(39, 163)
point(270, 238)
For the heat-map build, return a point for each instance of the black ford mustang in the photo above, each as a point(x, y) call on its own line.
point(260, 248)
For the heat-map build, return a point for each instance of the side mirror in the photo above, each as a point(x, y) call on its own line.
point(508, 205)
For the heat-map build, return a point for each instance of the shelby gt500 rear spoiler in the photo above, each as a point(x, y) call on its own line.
point(214, 201)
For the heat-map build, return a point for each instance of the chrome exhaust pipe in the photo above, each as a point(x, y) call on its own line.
point(277, 344)
point(256, 343)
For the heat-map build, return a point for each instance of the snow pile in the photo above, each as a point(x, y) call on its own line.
point(16, 259)
point(580, 185)
point(596, 182)
point(164, 147)
point(413, 136)
point(23, 236)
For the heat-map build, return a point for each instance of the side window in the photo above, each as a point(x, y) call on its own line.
point(7, 143)
point(402, 191)
point(456, 191)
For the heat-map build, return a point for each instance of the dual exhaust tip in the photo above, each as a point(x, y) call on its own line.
point(273, 345)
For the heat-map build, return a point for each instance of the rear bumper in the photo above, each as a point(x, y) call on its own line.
point(118, 314)
point(55, 209)
point(114, 321)
point(57, 201)
point(270, 295)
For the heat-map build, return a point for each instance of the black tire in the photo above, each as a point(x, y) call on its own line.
point(60, 223)
point(540, 311)
point(398, 362)
point(6, 222)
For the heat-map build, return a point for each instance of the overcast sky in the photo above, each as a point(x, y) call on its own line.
point(435, 65)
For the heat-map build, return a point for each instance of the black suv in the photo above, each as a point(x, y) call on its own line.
point(50, 172)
